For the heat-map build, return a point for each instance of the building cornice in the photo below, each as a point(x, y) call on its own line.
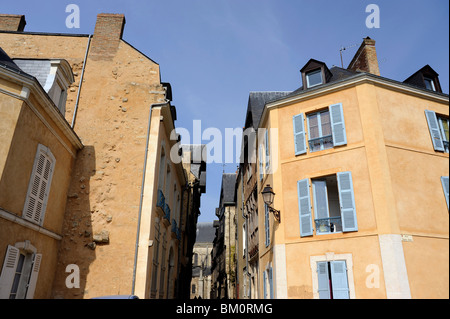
point(358, 79)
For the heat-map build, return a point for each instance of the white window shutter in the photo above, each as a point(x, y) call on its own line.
point(34, 276)
point(347, 202)
point(304, 206)
point(445, 186)
point(8, 271)
point(338, 124)
point(339, 280)
point(433, 126)
point(299, 134)
point(323, 280)
point(39, 186)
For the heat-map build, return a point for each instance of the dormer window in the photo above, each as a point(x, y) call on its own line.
point(425, 78)
point(315, 73)
point(55, 77)
point(314, 78)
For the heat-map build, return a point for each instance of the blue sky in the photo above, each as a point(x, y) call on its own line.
point(214, 52)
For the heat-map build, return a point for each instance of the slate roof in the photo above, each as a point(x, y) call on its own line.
point(40, 69)
point(7, 63)
point(256, 103)
point(228, 188)
point(205, 233)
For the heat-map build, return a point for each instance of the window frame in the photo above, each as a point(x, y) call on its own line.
point(445, 141)
point(313, 72)
point(319, 126)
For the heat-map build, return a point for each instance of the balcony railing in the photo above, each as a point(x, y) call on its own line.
point(176, 233)
point(161, 200)
point(320, 143)
point(328, 225)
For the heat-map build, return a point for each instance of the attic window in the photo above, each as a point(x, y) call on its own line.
point(429, 84)
point(314, 78)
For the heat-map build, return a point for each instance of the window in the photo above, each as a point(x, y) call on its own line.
point(314, 78)
point(319, 131)
point(443, 126)
point(429, 84)
point(261, 164)
point(19, 273)
point(334, 205)
point(332, 280)
point(326, 129)
point(39, 185)
point(326, 205)
point(439, 131)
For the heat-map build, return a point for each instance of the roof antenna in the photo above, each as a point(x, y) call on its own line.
point(343, 49)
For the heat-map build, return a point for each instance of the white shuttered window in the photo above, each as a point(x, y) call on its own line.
point(39, 185)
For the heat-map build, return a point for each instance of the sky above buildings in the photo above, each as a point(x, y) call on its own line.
point(214, 52)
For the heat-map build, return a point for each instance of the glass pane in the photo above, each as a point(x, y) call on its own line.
point(445, 128)
point(325, 122)
point(313, 126)
point(320, 193)
point(314, 78)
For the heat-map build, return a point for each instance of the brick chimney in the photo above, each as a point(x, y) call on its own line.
point(365, 59)
point(12, 22)
point(107, 35)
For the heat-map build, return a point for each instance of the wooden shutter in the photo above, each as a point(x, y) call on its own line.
point(347, 202)
point(39, 186)
point(338, 125)
point(339, 282)
point(264, 285)
point(271, 282)
point(323, 280)
point(304, 206)
point(433, 126)
point(266, 146)
point(445, 186)
point(261, 172)
point(34, 276)
point(8, 271)
point(299, 134)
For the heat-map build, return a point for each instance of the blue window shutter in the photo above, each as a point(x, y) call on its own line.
point(347, 202)
point(264, 285)
point(261, 172)
point(339, 281)
point(299, 134)
point(266, 146)
point(338, 125)
point(324, 281)
point(271, 282)
point(445, 186)
point(304, 206)
point(266, 224)
point(433, 125)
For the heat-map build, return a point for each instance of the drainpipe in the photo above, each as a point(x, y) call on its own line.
point(142, 193)
point(81, 82)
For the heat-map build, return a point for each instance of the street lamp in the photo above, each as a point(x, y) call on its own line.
point(268, 196)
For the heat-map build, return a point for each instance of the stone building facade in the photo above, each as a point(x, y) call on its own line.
point(122, 113)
